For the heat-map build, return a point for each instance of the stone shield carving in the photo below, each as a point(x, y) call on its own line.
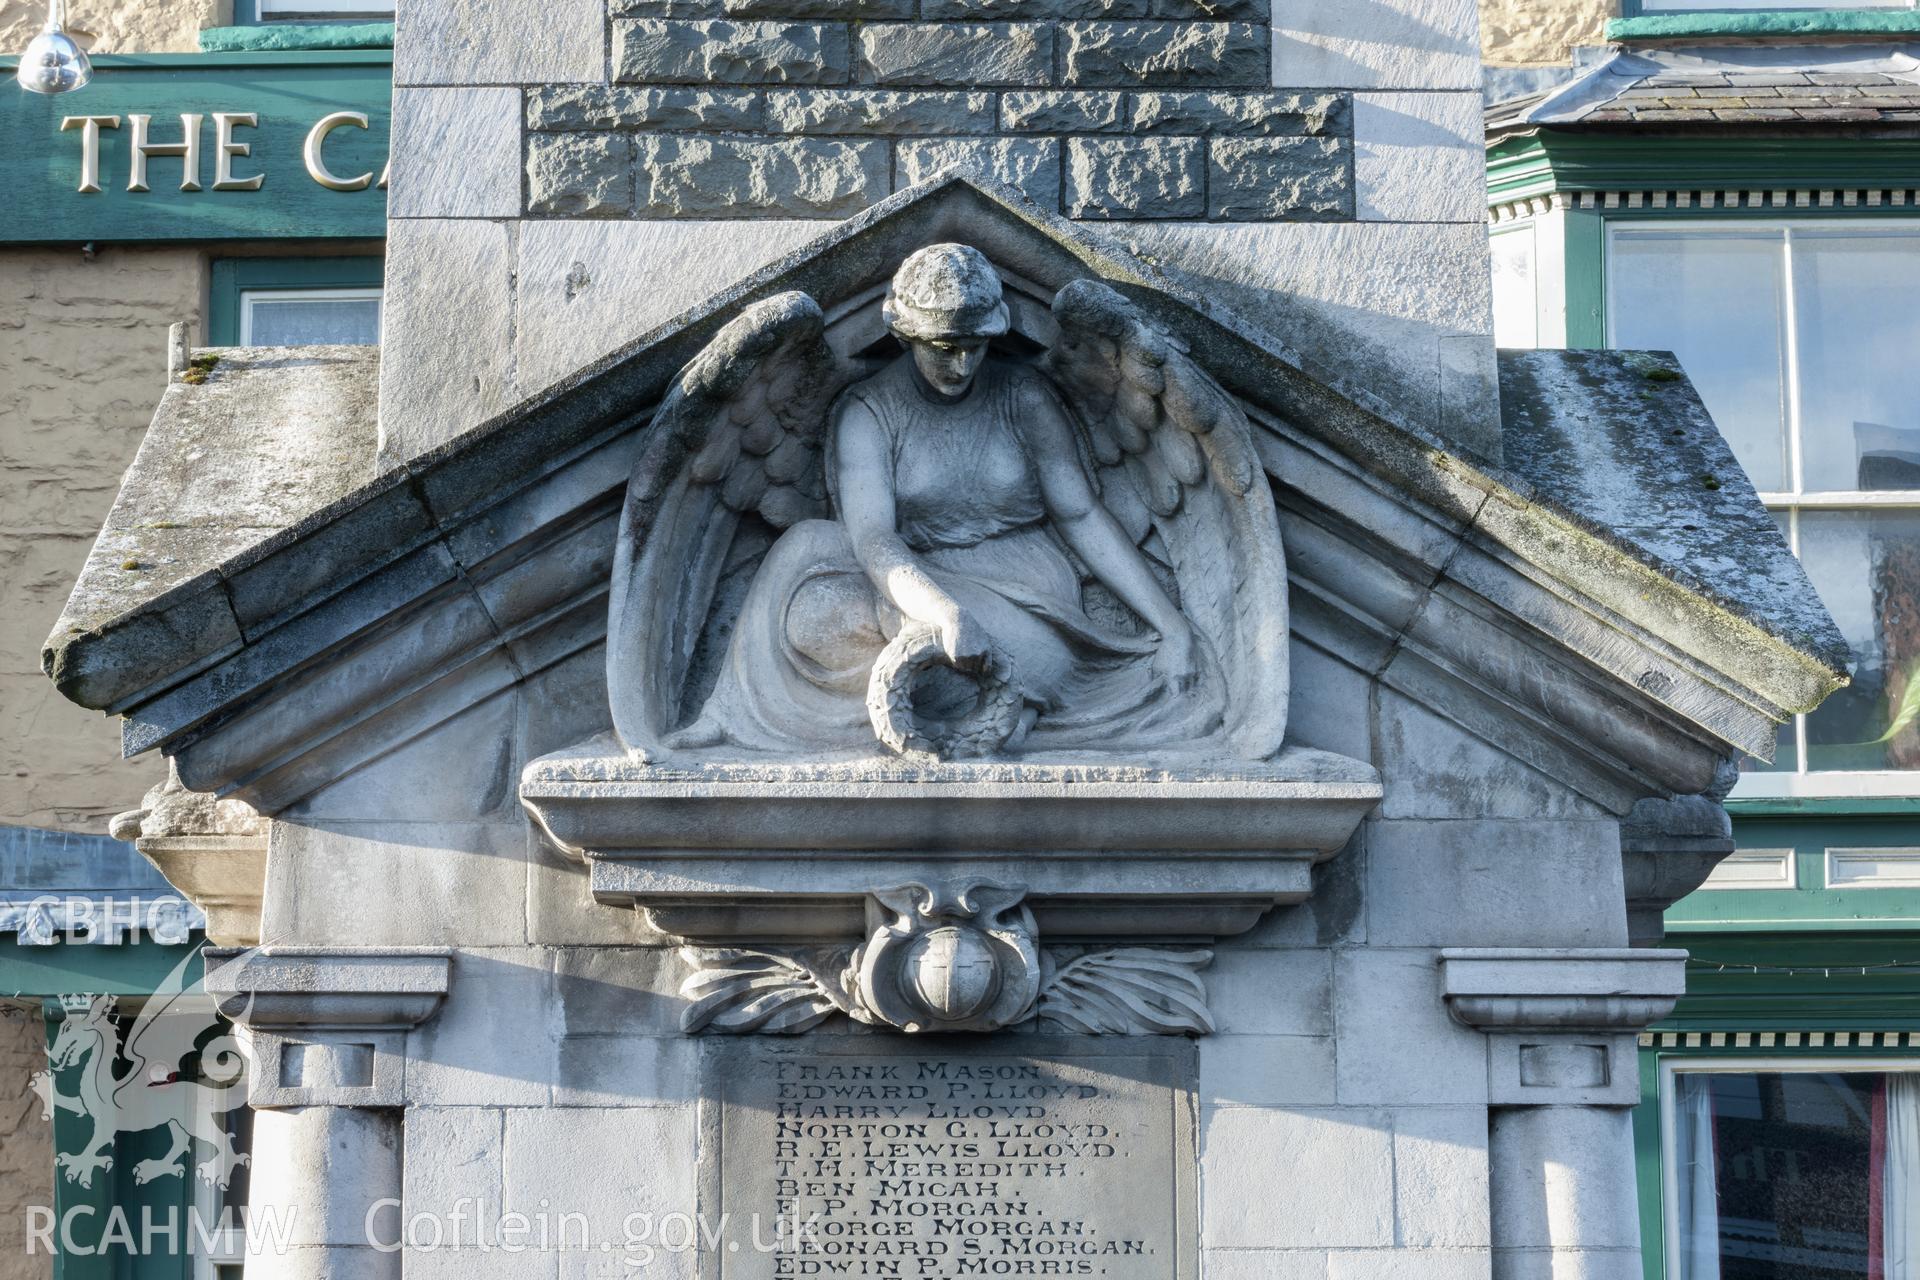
point(948, 958)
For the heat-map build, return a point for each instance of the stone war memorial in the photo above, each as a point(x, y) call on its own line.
point(937, 646)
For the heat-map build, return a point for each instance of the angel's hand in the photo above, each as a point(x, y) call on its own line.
point(964, 641)
point(1177, 662)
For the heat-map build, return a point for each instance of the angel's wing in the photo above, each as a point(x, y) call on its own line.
point(1173, 455)
point(739, 436)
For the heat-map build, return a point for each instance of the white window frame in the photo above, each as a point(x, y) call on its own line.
point(358, 293)
point(1783, 863)
point(1856, 1064)
point(1529, 228)
point(1795, 499)
point(272, 10)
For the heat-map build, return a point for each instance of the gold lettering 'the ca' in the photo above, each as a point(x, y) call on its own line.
point(317, 138)
point(188, 149)
point(89, 127)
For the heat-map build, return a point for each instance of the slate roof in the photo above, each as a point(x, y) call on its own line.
point(1876, 88)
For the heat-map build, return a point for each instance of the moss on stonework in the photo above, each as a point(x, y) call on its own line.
point(198, 368)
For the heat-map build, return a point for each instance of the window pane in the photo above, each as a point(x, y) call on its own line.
point(1773, 1174)
point(291, 322)
point(1866, 567)
point(1786, 743)
point(1857, 326)
point(1714, 300)
point(1516, 316)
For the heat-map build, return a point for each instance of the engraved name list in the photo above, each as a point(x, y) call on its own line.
point(931, 1160)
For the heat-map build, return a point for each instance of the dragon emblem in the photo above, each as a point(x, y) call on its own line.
point(178, 1067)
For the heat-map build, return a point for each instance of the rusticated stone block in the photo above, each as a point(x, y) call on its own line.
point(1136, 178)
point(665, 8)
point(1183, 54)
point(1051, 111)
point(968, 54)
point(1032, 10)
point(1030, 164)
point(1209, 10)
point(580, 175)
point(887, 111)
point(1264, 114)
point(1291, 179)
point(693, 176)
point(826, 10)
point(727, 52)
point(593, 106)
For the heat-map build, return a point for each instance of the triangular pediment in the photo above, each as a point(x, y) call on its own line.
point(273, 654)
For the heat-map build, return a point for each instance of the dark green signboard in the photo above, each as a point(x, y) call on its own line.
point(293, 121)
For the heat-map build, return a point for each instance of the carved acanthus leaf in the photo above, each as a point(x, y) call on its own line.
point(734, 992)
point(1130, 991)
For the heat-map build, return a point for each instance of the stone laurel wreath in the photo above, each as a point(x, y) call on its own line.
point(1122, 991)
point(980, 732)
point(741, 439)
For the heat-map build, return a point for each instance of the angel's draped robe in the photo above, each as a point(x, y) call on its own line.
point(968, 503)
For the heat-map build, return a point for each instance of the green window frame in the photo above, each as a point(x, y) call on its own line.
point(247, 13)
point(1718, 1051)
point(231, 279)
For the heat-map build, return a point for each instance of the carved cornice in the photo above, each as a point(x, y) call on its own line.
point(749, 854)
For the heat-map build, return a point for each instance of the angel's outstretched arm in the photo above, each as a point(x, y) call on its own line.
point(867, 508)
point(1095, 536)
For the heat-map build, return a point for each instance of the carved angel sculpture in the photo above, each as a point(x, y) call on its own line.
point(961, 554)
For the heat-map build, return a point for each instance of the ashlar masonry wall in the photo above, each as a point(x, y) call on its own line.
point(1344, 1124)
point(565, 178)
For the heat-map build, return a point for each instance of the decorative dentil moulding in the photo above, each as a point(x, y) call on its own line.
point(956, 957)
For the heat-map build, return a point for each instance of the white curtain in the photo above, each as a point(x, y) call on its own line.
point(1697, 1213)
point(1900, 1179)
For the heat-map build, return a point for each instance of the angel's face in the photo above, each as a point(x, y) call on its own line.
point(948, 367)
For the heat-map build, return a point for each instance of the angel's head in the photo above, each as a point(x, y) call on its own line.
point(945, 304)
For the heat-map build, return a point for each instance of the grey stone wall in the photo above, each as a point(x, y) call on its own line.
point(811, 108)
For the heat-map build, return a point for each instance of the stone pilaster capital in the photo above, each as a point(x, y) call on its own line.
point(1561, 988)
point(319, 989)
point(326, 1026)
point(1560, 1020)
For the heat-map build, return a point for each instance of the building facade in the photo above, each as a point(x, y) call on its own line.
point(1737, 186)
point(99, 273)
point(1253, 899)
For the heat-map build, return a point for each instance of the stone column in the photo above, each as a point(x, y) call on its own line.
point(326, 1030)
point(1562, 1082)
